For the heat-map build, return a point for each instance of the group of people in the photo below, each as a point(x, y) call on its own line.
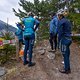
point(60, 36)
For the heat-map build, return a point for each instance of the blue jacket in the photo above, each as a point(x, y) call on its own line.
point(64, 28)
point(29, 25)
point(19, 32)
point(53, 25)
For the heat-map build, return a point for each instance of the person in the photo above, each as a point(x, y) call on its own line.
point(64, 34)
point(19, 34)
point(36, 17)
point(53, 32)
point(29, 37)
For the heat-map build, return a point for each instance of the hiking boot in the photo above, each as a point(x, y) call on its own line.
point(31, 64)
point(25, 63)
point(65, 71)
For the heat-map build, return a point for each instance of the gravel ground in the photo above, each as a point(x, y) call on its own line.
point(45, 68)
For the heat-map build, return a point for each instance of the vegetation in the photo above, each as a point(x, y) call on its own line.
point(7, 49)
point(74, 17)
point(44, 8)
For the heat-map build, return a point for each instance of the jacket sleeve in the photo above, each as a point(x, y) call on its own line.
point(18, 32)
point(56, 24)
point(37, 24)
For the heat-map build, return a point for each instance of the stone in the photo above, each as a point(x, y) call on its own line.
point(41, 51)
point(51, 56)
point(2, 71)
point(79, 46)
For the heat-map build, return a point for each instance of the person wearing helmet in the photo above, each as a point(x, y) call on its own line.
point(53, 32)
point(64, 33)
point(29, 37)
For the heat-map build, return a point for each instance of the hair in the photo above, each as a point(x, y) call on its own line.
point(61, 15)
point(54, 14)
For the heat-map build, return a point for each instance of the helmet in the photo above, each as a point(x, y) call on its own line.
point(60, 11)
point(35, 17)
point(30, 14)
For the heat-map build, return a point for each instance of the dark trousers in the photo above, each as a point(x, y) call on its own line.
point(20, 43)
point(29, 43)
point(53, 39)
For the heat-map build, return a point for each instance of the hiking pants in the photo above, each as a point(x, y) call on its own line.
point(53, 39)
point(65, 44)
point(29, 43)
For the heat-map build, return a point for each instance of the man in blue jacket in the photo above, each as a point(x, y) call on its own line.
point(19, 34)
point(64, 34)
point(29, 37)
point(53, 32)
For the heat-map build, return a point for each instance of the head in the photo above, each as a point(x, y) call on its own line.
point(66, 13)
point(36, 17)
point(52, 15)
point(19, 25)
point(60, 16)
point(31, 14)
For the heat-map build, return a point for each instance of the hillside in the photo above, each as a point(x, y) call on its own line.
point(3, 26)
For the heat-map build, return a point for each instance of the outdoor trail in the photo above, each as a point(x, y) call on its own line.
point(46, 68)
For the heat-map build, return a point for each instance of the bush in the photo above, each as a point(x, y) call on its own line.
point(7, 50)
point(75, 18)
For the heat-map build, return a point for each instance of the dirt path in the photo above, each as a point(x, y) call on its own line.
point(45, 68)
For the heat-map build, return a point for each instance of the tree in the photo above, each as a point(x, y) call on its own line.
point(44, 7)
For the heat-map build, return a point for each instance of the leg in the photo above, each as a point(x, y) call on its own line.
point(59, 46)
point(31, 44)
point(51, 41)
point(55, 41)
point(25, 50)
point(66, 56)
point(20, 44)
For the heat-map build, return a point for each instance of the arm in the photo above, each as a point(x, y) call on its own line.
point(56, 24)
point(18, 32)
point(37, 24)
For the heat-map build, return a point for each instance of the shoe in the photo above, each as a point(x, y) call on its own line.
point(31, 64)
point(65, 71)
point(52, 50)
point(25, 63)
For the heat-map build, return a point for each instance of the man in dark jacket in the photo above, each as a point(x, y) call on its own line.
point(53, 32)
point(64, 34)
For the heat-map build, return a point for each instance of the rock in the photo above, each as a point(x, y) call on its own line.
point(2, 71)
point(79, 46)
point(41, 52)
point(51, 56)
point(1, 79)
